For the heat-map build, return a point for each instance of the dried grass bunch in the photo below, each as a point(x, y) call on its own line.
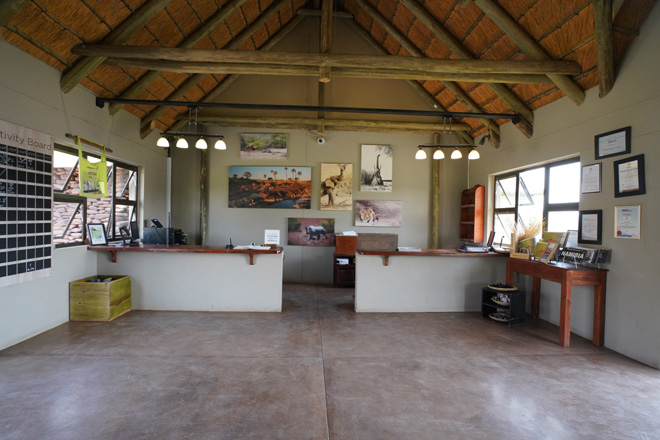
point(531, 230)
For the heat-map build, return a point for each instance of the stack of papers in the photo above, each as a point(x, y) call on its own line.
point(409, 249)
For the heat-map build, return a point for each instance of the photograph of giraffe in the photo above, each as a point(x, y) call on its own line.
point(376, 174)
point(336, 187)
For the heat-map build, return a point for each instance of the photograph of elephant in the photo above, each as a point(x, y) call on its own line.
point(263, 146)
point(336, 186)
point(311, 231)
point(376, 173)
point(379, 213)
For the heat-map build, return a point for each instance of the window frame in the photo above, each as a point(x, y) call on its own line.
point(547, 206)
point(59, 196)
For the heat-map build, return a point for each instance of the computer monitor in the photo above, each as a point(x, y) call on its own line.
point(135, 231)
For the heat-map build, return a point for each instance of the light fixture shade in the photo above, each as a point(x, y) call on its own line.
point(182, 143)
point(201, 144)
point(438, 154)
point(421, 154)
point(456, 154)
point(220, 145)
point(474, 154)
point(163, 142)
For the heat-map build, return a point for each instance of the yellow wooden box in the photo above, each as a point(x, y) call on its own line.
point(100, 301)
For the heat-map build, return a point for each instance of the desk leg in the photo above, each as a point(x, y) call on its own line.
point(599, 315)
point(536, 296)
point(565, 315)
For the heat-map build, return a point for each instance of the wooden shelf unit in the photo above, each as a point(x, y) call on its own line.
point(472, 214)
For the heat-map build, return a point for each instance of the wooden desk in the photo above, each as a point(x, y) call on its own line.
point(568, 276)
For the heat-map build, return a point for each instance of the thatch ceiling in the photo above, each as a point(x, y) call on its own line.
point(505, 30)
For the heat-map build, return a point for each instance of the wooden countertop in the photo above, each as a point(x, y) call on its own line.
point(182, 248)
point(431, 253)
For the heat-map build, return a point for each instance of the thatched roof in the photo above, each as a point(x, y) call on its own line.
point(524, 30)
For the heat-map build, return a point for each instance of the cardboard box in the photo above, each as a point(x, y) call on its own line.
point(346, 244)
point(99, 301)
point(378, 242)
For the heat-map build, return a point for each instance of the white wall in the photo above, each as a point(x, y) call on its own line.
point(30, 96)
point(562, 129)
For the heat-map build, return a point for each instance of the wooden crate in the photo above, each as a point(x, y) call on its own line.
point(378, 242)
point(346, 244)
point(99, 301)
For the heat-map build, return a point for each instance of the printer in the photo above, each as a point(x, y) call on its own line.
point(157, 234)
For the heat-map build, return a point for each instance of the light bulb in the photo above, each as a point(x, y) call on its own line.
point(474, 154)
point(163, 142)
point(201, 144)
point(456, 154)
point(421, 154)
point(220, 145)
point(182, 143)
point(438, 154)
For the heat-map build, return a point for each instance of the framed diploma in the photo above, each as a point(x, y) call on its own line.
point(629, 179)
point(590, 227)
point(627, 223)
point(590, 179)
point(613, 143)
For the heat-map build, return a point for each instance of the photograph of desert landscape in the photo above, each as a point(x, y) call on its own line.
point(270, 187)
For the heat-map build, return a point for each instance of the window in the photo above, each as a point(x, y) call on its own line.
point(550, 192)
point(71, 212)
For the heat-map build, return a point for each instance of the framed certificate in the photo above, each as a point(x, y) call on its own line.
point(629, 178)
point(96, 234)
point(627, 223)
point(590, 179)
point(590, 227)
point(613, 143)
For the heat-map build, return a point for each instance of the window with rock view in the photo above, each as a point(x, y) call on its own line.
point(72, 213)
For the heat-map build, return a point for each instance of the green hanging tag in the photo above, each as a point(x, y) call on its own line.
point(93, 176)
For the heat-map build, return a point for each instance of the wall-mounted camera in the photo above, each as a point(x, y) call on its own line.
point(320, 140)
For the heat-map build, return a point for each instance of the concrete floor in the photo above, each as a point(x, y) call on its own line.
point(318, 371)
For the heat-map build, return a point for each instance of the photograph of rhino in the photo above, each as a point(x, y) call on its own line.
point(270, 187)
point(379, 213)
point(336, 186)
point(263, 146)
point(376, 168)
point(311, 231)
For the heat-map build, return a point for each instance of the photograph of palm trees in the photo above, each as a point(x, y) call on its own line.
point(270, 187)
point(263, 146)
point(376, 173)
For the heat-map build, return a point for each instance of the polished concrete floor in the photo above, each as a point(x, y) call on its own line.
point(318, 371)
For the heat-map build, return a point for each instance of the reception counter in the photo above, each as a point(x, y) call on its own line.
point(433, 280)
point(200, 278)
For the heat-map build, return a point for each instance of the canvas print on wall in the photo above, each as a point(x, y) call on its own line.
point(336, 186)
point(270, 187)
point(263, 145)
point(311, 232)
point(376, 173)
point(378, 213)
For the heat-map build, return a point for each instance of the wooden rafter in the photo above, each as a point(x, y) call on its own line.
point(9, 8)
point(527, 116)
point(326, 38)
point(194, 38)
point(604, 49)
point(194, 79)
point(500, 17)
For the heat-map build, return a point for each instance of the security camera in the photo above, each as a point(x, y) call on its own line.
point(320, 141)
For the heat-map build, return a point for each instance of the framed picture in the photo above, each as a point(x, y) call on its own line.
point(263, 146)
point(96, 234)
point(629, 178)
point(590, 227)
point(627, 223)
point(376, 168)
point(590, 179)
point(613, 143)
point(336, 187)
point(270, 187)
point(303, 231)
point(379, 213)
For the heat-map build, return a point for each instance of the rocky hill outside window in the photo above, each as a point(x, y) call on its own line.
point(71, 212)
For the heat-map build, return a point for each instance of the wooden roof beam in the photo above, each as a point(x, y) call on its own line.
point(527, 44)
point(9, 8)
point(194, 79)
point(604, 50)
point(516, 104)
point(326, 37)
point(194, 38)
point(120, 34)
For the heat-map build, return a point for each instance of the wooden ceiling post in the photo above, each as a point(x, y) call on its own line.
point(194, 38)
point(435, 199)
point(604, 49)
point(527, 44)
point(326, 38)
point(510, 98)
point(193, 80)
point(120, 34)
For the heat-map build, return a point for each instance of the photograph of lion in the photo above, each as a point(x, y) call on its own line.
point(379, 213)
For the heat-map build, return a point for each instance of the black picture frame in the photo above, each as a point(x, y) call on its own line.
point(96, 234)
point(586, 220)
point(613, 143)
point(629, 177)
point(595, 170)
